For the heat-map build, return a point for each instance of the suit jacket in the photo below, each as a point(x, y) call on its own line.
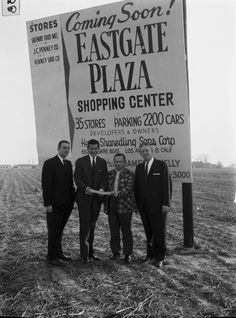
point(83, 179)
point(126, 201)
point(156, 191)
point(57, 182)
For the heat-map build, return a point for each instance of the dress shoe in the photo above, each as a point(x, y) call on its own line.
point(94, 258)
point(55, 262)
point(127, 259)
point(114, 257)
point(64, 258)
point(157, 263)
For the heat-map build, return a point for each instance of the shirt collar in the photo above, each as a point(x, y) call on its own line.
point(91, 158)
point(150, 162)
point(61, 158)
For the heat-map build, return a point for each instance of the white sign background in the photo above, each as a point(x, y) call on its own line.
point(123, 67)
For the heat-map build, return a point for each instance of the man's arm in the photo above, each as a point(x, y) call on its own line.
point(167, 187)
point(81, 186)
point(104, 183)
point(47, 183)
point(71, 178)
point(136, 186)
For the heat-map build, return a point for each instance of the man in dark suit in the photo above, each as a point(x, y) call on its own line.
point(153, 190)
point(58, 197)
point(90, 174)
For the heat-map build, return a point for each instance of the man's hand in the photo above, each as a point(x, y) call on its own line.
point(89, 191)
point(165, 208)
point(115, 194)
point(101, 191)
point(49, 209)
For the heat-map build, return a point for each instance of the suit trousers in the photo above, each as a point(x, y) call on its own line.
point(154, 223)
point(56, 221)
point(117, 222)
point(87, 219)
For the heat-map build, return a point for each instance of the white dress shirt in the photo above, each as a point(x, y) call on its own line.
point(149, 163)
point(62, 160)
point(91, 159)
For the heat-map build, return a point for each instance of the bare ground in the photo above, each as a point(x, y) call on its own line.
point(195, 282)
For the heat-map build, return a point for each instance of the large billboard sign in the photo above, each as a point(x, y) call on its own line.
point(116, 73)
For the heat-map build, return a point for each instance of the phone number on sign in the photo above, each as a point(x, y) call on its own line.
point(180, 174)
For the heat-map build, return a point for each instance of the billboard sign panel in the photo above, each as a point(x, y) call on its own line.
point(116, 73)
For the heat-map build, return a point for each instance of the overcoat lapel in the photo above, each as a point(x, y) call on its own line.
point(88, 166)
point(143, 172)
point(64, 170)
point(152, 168)
point(60, 165)
point(88, 163)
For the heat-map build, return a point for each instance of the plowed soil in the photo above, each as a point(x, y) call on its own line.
point(194, 282)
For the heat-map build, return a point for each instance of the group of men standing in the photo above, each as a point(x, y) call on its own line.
point(147, 191)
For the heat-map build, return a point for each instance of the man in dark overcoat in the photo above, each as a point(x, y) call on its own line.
point(58, 197)
point(153, 191)
point(90, 174)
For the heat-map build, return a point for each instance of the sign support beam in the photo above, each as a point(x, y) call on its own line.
point(187, 199)
point(187, 193)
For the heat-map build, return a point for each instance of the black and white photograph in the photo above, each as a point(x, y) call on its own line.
point(118, 161)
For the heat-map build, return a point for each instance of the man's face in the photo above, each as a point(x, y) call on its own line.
point(64, 150)
point(146, 152)
point(93, 150)
point(119, 162)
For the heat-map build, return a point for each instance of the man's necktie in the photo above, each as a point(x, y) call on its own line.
point(146, 170)
point(93, 166)
point(93, 170)
point(64, 163)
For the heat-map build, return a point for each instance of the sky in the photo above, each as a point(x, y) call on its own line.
point(211, 42)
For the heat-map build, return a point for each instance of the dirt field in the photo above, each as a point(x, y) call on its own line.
point(196, 282)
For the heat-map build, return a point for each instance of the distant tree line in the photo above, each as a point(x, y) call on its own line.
point(202, 162)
